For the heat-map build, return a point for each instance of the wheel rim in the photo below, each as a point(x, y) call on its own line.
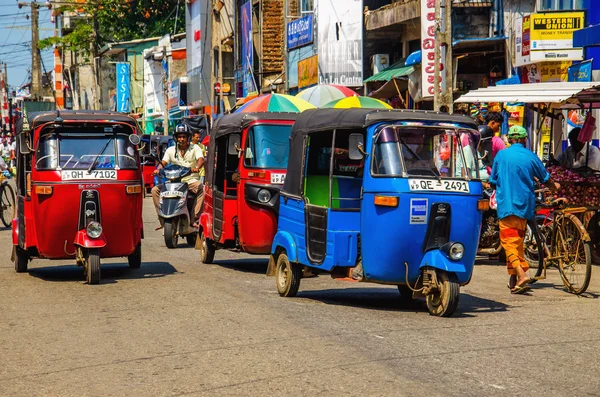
point(282, 275)
point(203, 247)
point(574, 263)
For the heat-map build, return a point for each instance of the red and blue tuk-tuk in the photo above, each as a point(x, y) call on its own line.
point(245, 170)
point(79, 190)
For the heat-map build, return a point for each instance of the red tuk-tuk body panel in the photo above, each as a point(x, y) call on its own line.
point(56, 215)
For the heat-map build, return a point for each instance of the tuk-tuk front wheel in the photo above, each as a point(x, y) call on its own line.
point(287, 276)
point(170, 230)
point(443, 301)
point(92, 266)
point(207, 249)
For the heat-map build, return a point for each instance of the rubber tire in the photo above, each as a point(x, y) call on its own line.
point(406, 294)
point(191, 239)
point(92, 273)
point(287, 285)
point(170, 233)
point(21, 260)
point(135, 258)
point(7, 193)
point(207, 249)
point(443, 303)
point(539, 267)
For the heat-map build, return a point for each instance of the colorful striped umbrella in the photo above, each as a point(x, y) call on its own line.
point(320, 95)
point(275, 103)
point(358, 102)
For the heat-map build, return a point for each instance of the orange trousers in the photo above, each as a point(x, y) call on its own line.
point(512, 237)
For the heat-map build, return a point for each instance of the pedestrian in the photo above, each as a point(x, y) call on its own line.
point(513, 175)
point(579, 154)
point(490, 144)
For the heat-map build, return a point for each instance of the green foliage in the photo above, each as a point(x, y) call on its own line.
point(118, 20)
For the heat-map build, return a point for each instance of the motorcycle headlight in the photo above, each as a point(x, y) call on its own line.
point(264, 195)
point(94, 229)
point(456, 251)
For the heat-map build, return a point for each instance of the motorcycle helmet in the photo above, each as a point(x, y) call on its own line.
point(182, 129)
point(485, 133)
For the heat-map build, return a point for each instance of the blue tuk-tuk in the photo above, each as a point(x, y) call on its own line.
point(390, 197)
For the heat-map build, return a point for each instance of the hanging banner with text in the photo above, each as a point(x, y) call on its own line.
point(123, 90)
point(247, 50)
point(300, 32)
point(428, 51)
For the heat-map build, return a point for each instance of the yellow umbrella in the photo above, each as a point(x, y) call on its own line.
point(357, 102)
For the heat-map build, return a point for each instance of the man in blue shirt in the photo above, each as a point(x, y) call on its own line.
point(513, 174)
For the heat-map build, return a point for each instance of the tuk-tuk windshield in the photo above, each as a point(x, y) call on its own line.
point(268, 146)
point(423, 151)
point(73, 151)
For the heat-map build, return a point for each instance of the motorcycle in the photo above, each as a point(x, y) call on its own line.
point(489, 240)
point(175, 206)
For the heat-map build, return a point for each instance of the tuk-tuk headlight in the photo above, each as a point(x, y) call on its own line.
point(456, 251)
point(94, 229)
point(264, 195)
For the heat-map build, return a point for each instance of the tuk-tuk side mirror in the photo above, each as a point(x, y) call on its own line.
point(356, 147)
point(234, 144)
point(134, 139)
point(249, 154)
point(24, 147)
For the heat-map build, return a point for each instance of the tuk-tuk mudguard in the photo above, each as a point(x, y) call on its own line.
point(83, 240)
point(438, 260)
point(286, 241)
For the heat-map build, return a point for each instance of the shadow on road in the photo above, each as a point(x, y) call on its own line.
point(389, 300)
point(250, 265)
point(110, 272)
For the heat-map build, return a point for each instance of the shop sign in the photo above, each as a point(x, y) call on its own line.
point(247, 50)
point(546, 72)
point(516, 114)
point(308, 71)
point(340, 35)
point(226, 89)
point(575, 54)
point(428, 51)
point(123, 89)
point(581, 72)
point(554, 31)
point(300, 32)
point(522, 42)
point(173, 95)
point(545, 139)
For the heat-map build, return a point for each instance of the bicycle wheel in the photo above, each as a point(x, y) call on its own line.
point(575, 263)
point(534, 247)
point(7, 203)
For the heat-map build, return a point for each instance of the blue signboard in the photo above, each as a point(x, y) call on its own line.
point(123, 90)
point(581, 72)
point(247, 49)
point(300, 32)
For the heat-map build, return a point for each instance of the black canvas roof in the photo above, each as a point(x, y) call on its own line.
point(319, 120)
point(38, 118)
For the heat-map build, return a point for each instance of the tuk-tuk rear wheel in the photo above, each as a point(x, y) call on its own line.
point(443, 301)
point(21, 260)
point(92, 266)
point(207, 249)
point(287, 276)
point(170, 231)
point(135, 258)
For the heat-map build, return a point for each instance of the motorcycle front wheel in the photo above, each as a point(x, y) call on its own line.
point(170, 233)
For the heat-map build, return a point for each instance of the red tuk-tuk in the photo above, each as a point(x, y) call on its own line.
point(79, 190)
point(245, 169)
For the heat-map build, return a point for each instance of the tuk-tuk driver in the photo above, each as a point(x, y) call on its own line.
point(186, 155)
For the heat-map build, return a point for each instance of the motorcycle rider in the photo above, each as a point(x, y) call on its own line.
point(186, 155)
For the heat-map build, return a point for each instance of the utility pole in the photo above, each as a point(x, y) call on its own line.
point(443, 95)
point(96, 91)
point(36, 67)
point(165, 92)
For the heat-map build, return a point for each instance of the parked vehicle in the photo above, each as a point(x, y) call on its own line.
point(175, 205)
point(383, 197)
point(79, 190)
point(246, 167)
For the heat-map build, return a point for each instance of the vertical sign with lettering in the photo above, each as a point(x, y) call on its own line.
point(428, 50)
point(123, 92)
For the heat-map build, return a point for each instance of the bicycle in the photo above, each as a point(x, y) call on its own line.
point(7, 200)
point(558, 238)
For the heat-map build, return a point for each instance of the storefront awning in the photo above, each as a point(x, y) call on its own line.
point(477, 43)
point(558, 95)
point(395, 71)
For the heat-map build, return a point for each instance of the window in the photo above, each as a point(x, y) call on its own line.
point(268, 146)
point(559, 5)
point(306, 6)
point(425, 152)
point(78, 151)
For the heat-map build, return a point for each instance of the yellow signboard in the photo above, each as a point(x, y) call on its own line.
point(308, 71)
point(546, 72)
point(554, 30)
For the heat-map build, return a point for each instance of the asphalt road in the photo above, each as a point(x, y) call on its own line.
point(177, 327)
